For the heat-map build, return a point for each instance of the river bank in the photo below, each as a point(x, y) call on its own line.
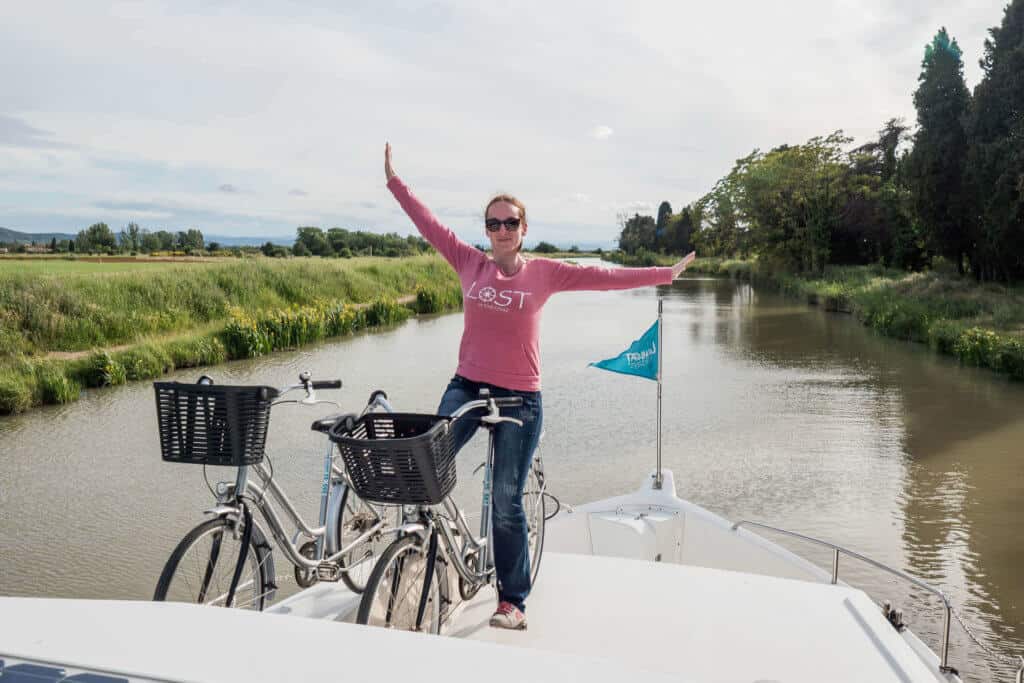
point(982, 325)
point(61, 332)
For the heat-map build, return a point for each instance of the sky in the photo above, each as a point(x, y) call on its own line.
point(253, 118)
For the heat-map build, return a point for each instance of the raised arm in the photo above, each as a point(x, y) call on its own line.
point(454, 250)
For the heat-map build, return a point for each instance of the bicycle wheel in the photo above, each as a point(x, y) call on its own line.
point(392, 595)
point(355, 517)
point(202, 565)
point(533, 506)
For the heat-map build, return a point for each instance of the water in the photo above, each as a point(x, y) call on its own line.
point(773, 411)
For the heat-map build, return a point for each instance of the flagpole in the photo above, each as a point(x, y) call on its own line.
point(657, 476)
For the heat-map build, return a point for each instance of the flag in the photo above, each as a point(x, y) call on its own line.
point(641, 358)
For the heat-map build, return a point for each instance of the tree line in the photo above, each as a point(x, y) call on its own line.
point(951, 189)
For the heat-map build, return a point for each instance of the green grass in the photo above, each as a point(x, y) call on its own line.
point(76, 311)
point(59, 267)
point(193, 316)
point(980, 324)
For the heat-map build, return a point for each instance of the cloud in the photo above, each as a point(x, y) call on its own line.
point(16, 133)
point(213, 91)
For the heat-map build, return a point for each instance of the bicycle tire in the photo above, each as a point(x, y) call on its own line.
point(191, 580)
point(535, 521)
point(534, 509)
point(353, 518)
point(392, 594)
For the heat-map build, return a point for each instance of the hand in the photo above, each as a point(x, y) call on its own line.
point(388, 171)
point(678, 268)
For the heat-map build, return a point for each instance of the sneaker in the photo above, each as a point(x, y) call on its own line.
point(508, 616)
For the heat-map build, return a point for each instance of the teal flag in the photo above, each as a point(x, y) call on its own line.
point(640, 359)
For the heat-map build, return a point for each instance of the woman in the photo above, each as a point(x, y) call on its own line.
point(503, 295)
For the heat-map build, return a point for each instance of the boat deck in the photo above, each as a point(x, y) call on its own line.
point(703, 624)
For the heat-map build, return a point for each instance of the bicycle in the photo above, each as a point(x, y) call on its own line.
point(230, 555)
point(409, 586)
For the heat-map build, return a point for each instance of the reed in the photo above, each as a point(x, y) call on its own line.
point(193, 315)
point(74, 311)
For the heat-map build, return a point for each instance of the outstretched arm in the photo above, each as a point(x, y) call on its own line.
point(568, 277)
point(454, 250)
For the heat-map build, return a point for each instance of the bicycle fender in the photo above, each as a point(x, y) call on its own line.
point(333, 514)
point(260, 540)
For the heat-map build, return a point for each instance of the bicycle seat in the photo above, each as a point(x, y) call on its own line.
point(324, 424)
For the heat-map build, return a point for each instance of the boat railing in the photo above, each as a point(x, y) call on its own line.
point(837, 550)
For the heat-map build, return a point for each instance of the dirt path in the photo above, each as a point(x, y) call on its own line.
point(76, 355)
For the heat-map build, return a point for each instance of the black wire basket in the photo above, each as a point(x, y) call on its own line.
point(208, 424)
point(400, 458)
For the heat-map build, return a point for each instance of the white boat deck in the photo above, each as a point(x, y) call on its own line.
point(702, 624)
point(638, 587)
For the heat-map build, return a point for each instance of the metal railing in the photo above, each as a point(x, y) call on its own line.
point(836, 549)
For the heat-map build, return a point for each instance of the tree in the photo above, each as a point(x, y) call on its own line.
point(213, 247)
point(53, 244)
point(545, 248)
point(661, 237)
point(130, 237)
point(637, 233)
point(97, 237)
point(314, 242)
point(995, 157)
point(936, 164)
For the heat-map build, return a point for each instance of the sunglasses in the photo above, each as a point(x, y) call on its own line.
point(494, 225)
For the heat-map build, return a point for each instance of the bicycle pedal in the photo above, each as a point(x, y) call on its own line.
point(328, 571)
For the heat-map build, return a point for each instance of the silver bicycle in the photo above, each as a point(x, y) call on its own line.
point(228, 560)
point(409, 587)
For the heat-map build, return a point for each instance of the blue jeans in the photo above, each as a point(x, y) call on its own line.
point(513, 455)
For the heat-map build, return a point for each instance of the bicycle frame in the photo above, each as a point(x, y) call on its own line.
point(333, 486)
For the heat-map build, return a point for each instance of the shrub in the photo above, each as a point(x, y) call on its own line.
point(102, 370)
point(145, 362)
point(943, 335)
point(15, 393)
point(977, 347)
point(191, 353)
point(56, 387)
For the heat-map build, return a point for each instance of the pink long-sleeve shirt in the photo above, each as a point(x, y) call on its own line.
point(501, 334)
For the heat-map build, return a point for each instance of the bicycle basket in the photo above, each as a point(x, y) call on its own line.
point(212, 424)
point(401, 458)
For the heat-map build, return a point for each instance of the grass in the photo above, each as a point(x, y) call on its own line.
point(60, 266)
point(194, 315)
point(982, 325)
point(79, 311)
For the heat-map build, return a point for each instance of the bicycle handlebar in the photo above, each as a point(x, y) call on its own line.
point(491, 404)
point(327, 384)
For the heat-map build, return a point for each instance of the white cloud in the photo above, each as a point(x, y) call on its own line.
point(283, 96)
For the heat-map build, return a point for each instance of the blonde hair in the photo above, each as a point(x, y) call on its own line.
point(509, 199)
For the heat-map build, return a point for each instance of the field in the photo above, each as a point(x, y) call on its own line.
point(60, 266)
point(66, 324)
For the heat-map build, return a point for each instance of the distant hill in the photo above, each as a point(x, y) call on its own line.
point(7, 235)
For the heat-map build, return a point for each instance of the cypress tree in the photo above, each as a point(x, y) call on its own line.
point(995, 163)
point(936, 172)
